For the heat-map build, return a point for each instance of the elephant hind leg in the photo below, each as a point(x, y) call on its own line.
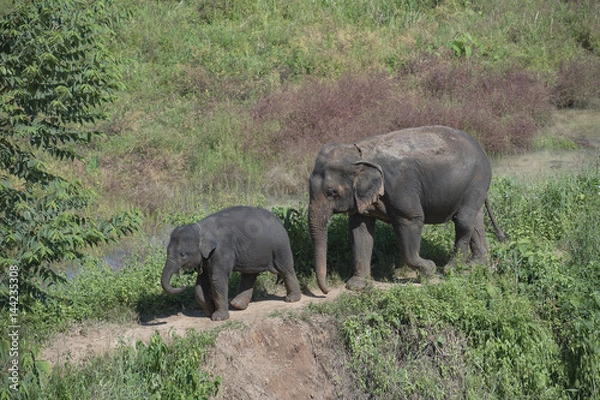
point(408, 236)
point(245, 290)
point(478, 243)
point(470, 234)
point(292, 286)
point(465, 222)
point(284, 266)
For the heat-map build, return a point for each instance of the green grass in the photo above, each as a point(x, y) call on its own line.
point(187, 138)
point(154, 370)
point(525, 329)
point(185, 132)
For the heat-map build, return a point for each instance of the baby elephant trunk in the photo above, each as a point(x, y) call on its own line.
point(169, 270)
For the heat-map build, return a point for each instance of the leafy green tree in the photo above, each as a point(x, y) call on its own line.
point(56, 71)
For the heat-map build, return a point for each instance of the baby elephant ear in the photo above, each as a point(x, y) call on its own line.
point(207, 244)
point(368, 185)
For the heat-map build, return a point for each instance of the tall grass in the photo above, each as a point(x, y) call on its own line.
point(523, 329)
point(227, 102)
point(222, 95)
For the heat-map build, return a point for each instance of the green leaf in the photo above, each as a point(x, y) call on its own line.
point(58, 70)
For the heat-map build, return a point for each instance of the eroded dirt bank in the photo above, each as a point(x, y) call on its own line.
point(261, 356)
point(260, 353)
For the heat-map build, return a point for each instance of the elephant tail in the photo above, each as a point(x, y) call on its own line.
point(501, 235)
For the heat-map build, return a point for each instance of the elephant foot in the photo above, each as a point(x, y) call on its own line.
point(205, 302)
point(207, 307)
point(220, 315)
point(241, 301)
point(427, 268)
point(449, 268)
point(239, 304)
point(293, 297)
point(356, 283)
point(207, 310)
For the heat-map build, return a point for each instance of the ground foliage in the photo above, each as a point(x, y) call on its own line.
point(226, 102)
point(523, 329)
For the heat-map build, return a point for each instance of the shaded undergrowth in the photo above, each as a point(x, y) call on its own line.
point(523, 329)
point(228, 101)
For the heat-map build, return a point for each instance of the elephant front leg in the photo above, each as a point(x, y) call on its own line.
point(244, 296)
point(219, 292)
point(203, 295)
point(362, 231)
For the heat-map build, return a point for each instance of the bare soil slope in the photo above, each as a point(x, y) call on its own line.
point(274, 357)
point(259, 353)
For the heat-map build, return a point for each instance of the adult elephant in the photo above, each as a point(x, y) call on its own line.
point(408, 178)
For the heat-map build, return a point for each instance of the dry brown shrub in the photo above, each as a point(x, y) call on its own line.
point(318, 112)
point(578, 83)
point(504, 109)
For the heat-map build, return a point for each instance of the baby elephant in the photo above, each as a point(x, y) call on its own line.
point(245, 239)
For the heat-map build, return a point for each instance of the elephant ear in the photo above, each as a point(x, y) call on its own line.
point(207, 244)
point(368, 185)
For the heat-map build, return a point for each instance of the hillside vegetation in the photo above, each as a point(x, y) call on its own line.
point(227, 102)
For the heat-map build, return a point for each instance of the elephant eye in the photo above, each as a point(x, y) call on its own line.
point(183, 254)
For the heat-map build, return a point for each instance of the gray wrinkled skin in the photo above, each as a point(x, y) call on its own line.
point(245, 239)
point(408, 178)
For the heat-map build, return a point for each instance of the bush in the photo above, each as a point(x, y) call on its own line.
point(578, 83)
point(56, 74)
point(504, 109)
point(157, 370)
point(470, 337)
point(553, 261)
point(319, 112)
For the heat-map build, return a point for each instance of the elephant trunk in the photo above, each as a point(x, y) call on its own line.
point(168, 271)
point(318, 217)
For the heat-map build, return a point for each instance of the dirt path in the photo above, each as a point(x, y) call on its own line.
point(262, 354)
point(271, 357)
point(98, 338)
